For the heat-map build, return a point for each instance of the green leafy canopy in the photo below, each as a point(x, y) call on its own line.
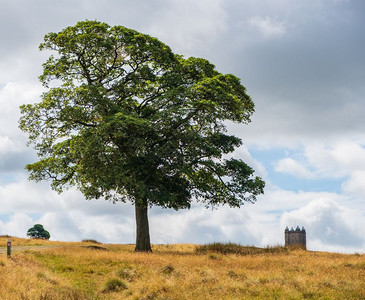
point(38, 232)
point(125, 118)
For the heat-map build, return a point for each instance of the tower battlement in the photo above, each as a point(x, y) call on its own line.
point(295, 238)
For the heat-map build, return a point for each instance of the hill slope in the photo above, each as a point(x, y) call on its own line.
point(87, 270)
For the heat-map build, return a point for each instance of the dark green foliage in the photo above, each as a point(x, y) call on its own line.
point(232, 248)
point(38, 232)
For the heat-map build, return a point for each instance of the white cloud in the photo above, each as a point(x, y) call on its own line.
point(12, 95)
point(18, 225)
point(27, 197)
point(67, 216)
point(112, 228)
point(60, 226)
point(292, 167)
point(7, 145)
point(355, 184)
point(336, 159)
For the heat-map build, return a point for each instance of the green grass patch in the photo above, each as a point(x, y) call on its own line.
point(114, 285)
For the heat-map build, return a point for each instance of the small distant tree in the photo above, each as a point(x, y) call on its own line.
point(38, 232)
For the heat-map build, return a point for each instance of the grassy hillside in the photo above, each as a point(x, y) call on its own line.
point(88, 270)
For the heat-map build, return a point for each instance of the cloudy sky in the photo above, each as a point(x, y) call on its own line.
point(303, 64)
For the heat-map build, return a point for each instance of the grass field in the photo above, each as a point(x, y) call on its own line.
point(41, 269)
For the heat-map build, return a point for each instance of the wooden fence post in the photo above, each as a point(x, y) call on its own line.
point(9, 248)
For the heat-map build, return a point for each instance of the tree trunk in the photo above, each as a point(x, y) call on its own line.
point(143, 232)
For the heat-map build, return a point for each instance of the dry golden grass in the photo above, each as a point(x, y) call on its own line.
point(88, 270)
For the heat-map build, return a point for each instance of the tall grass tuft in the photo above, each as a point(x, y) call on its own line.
point(127, 273)
point(168, 269)
point(114, 285)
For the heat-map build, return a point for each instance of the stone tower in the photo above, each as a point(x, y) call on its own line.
point(295, 238)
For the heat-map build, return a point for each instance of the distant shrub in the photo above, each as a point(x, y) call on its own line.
point(232, 248)
point(91, 241)
point(224, 248)
point(114, 285)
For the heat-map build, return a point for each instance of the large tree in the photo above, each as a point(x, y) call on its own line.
point(124, 118)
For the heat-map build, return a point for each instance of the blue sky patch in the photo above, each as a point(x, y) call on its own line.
point(289, 182)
